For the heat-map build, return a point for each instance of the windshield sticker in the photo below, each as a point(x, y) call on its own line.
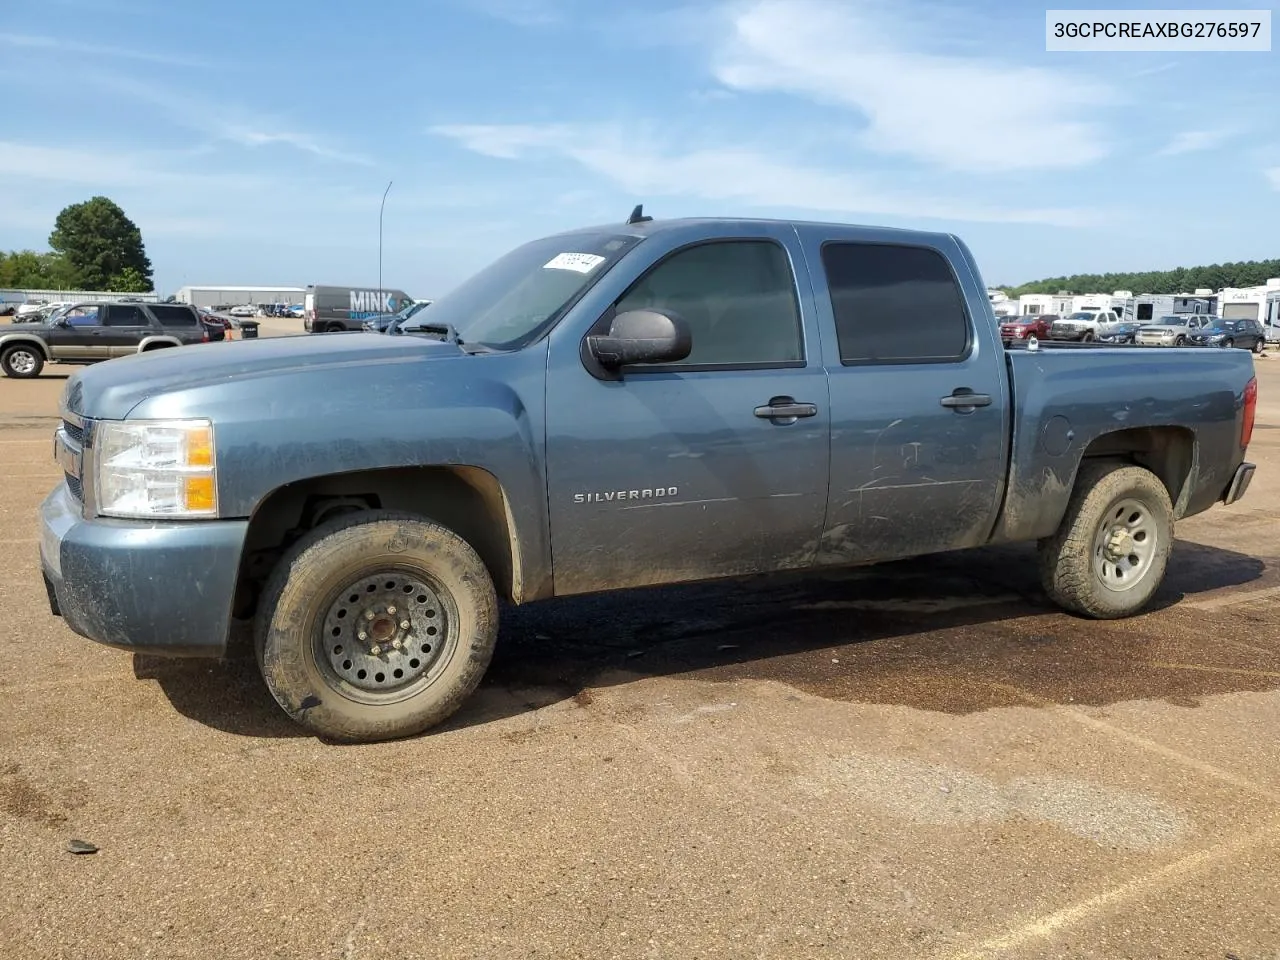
point(577, 262)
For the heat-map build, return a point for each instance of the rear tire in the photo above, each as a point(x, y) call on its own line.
point(1258, 345)
point(21, 361)
point(376, 625)
point(1111, 550)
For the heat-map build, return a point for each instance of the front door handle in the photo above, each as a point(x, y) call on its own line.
point(963, 398)
point(785, 408)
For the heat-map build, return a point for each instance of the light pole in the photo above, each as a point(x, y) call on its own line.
point(380, 211)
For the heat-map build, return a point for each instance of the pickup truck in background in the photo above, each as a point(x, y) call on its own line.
point(643, 403)
point(1083, 325)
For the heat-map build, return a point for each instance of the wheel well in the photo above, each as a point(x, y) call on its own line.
point(467, 500)
point(156, 346)
point(34, 342)
point(1168, 452)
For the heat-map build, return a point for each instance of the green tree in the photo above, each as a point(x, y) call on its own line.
point(129, 280)
point(100, 242)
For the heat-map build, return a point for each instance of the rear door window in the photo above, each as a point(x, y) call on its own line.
point(895, 304)
point(173, 315)
point(125, 315)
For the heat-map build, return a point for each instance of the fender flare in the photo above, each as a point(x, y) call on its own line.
point(146, 343)
point(8, 339)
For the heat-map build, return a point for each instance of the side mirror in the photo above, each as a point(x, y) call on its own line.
point(642, 336)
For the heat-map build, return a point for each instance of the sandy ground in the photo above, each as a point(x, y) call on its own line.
point(921, 760)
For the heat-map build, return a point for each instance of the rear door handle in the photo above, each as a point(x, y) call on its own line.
point(964, 398)
point(785, 408)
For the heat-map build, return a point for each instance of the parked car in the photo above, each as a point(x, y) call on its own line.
point(329, 309)
point(1083, 325)
point(1122, 332)
point(1246, 334)
point(91, 332)
point(1023, 328)
point(605, 409)
point(383, 322)
point(243, 310)
point(1172, 330)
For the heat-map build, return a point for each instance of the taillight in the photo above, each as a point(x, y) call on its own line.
point(1250, 410)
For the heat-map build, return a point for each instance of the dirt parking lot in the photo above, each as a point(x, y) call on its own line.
point(921, 760)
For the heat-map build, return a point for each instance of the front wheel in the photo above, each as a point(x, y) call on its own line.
point(1180, 341)
point(1087, 338)
point(21, 361)
point(1109, 554)
point(375, 626)
point(1228, 343)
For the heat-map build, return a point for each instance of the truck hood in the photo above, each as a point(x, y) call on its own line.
point(109, 390)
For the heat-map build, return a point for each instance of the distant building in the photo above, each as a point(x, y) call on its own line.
point(238, 296)
point(69, 296)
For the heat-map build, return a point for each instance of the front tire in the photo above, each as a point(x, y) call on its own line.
point(21, 361)
point(1228, 343)
point(1111, 550)
point(1180, 341)
point(376, 625)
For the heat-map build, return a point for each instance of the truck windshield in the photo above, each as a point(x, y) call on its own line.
point(513, 300)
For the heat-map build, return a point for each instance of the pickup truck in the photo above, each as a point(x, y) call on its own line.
point(634, 404)
point(1083, 325)
point(92, 332)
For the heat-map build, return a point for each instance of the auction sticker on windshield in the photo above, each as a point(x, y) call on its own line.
point(577, 262)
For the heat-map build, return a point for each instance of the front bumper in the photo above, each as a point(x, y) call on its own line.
point(149, 587)
point(1239, 483)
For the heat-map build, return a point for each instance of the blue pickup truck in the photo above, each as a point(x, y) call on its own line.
point(634, 404)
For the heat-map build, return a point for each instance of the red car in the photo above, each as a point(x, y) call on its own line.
point(1020, 328)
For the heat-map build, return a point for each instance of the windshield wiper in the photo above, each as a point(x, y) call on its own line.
point(450, 334)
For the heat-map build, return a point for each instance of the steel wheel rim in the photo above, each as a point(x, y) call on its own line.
point(1125, 545)
point(22, 361)
point(376, 669)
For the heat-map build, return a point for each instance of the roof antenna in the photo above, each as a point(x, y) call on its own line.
point(637, 215)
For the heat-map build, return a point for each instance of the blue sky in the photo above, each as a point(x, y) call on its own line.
point(251, 141)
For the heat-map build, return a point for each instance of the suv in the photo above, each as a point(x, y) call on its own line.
point(89, 332)
point(1173, 330)
point(1246, 334)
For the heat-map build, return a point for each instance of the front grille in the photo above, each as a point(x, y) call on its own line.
point(72, 431)
point(74, 485)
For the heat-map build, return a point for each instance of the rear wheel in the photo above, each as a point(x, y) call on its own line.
point(1258, 345)
point(21, 361)
point(376, 625)
point(1110, 552)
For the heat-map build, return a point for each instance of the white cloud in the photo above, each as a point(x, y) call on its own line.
point(1189, 141)
point(103, 168)
point(638, 163)
point(59, 45)
point(949, 111)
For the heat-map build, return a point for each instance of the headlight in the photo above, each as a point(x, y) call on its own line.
point(156, 468)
